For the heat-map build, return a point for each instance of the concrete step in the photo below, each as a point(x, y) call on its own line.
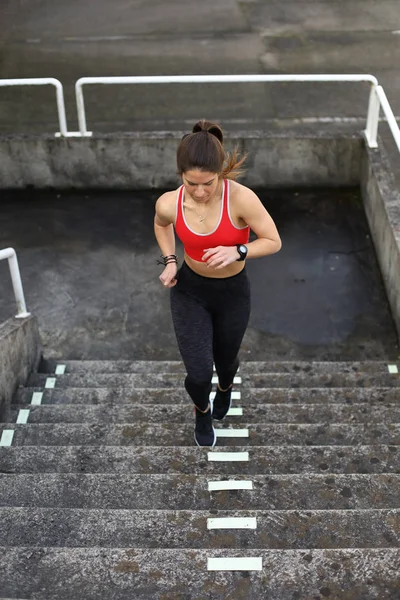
point(251, 413)
point(168, 380)
point(168, 574)
point(190, 492)
point(160, 460)
point(111, 396)
point(172, 434)
point(292, 529)
point(156, 366)
point(358, 15)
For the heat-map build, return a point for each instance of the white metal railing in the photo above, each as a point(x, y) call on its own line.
point(204, 79)
point(62, 119)
point(377, 98)
point(16, 281)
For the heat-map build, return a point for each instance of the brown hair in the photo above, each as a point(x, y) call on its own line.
point(203, 149)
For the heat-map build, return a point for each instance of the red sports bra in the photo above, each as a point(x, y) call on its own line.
point(224, 234)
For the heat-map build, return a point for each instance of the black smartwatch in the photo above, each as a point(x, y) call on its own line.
point(242, 249)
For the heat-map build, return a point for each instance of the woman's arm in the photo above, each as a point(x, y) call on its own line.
point(248, 208)
point(253, 213)
point(163, 226)
point(165, 236)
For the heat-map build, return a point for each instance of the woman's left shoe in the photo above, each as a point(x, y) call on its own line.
point(204, 433)
point(222, 403)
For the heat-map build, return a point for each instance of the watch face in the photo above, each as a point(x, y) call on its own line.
point(242, 248)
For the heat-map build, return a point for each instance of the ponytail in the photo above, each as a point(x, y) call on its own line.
point(232, 165)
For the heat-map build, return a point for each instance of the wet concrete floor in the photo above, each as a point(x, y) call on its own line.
point(88, 264)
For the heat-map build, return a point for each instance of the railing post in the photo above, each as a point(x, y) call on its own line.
point(391, 119)
point(16, 282)
point(80, 105)
point(62, 117)
point(374, 106)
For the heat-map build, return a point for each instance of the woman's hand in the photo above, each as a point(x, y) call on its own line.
point(220, 257)
point(167, 277)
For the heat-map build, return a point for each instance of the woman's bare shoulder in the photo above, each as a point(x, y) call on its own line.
point(166, 206)
point(240, 192)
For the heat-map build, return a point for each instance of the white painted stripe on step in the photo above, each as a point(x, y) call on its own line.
point(235, 412)
point(235, 380)
point(236, 371)
point(23, 416)
point(232, 433)
point(50, 382)
point(234, 395)
point(232, 484)
point(7, 437)
point(228, 456)
point(232, 523)
point(60, 369)
point(37, 398)
point(393, 369)
point(230, 563)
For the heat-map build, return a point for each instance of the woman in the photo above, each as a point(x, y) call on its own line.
point(210, 294)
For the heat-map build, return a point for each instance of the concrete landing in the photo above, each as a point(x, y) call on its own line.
point(88, 264)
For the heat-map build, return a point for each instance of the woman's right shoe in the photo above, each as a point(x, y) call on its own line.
point(222, 403)
point(204, 433)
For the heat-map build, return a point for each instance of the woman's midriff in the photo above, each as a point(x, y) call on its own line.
point(201, 268)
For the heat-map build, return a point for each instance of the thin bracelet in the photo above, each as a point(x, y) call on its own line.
point(166, 260)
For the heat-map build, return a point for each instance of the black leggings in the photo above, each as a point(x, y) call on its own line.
point(210, 317)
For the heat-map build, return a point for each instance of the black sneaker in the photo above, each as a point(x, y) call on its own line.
point(204, 433)
point(222, 403)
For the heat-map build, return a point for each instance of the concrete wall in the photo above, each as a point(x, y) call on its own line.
point(147, 160)
point(20, 353)
point(382, 207)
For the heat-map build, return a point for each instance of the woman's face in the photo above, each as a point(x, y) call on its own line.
point(201, 185)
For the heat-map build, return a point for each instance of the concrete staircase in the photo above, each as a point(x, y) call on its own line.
point(104, 495)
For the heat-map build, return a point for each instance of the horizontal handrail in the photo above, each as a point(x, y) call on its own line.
point(45, 81)
point(10, 254)
point(378, 98)
point(204, 79)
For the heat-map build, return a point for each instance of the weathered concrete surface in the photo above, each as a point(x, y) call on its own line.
point(334, 52)
point(143, 161)
point(332, 482)
point(175, 574)
point(130, 18)
point(131, 38)
point(264, 380)
point(88, 264)
point(255, 413)
point(382, 208)
point(299, 17)
point(20, 352)
point(291, 529)
point(73, 574)
point(168, 396)
point(209, 38)
point(153, 460)
point(190, 492)
point(247, 367)
point(169, 434)
point(224, 36)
